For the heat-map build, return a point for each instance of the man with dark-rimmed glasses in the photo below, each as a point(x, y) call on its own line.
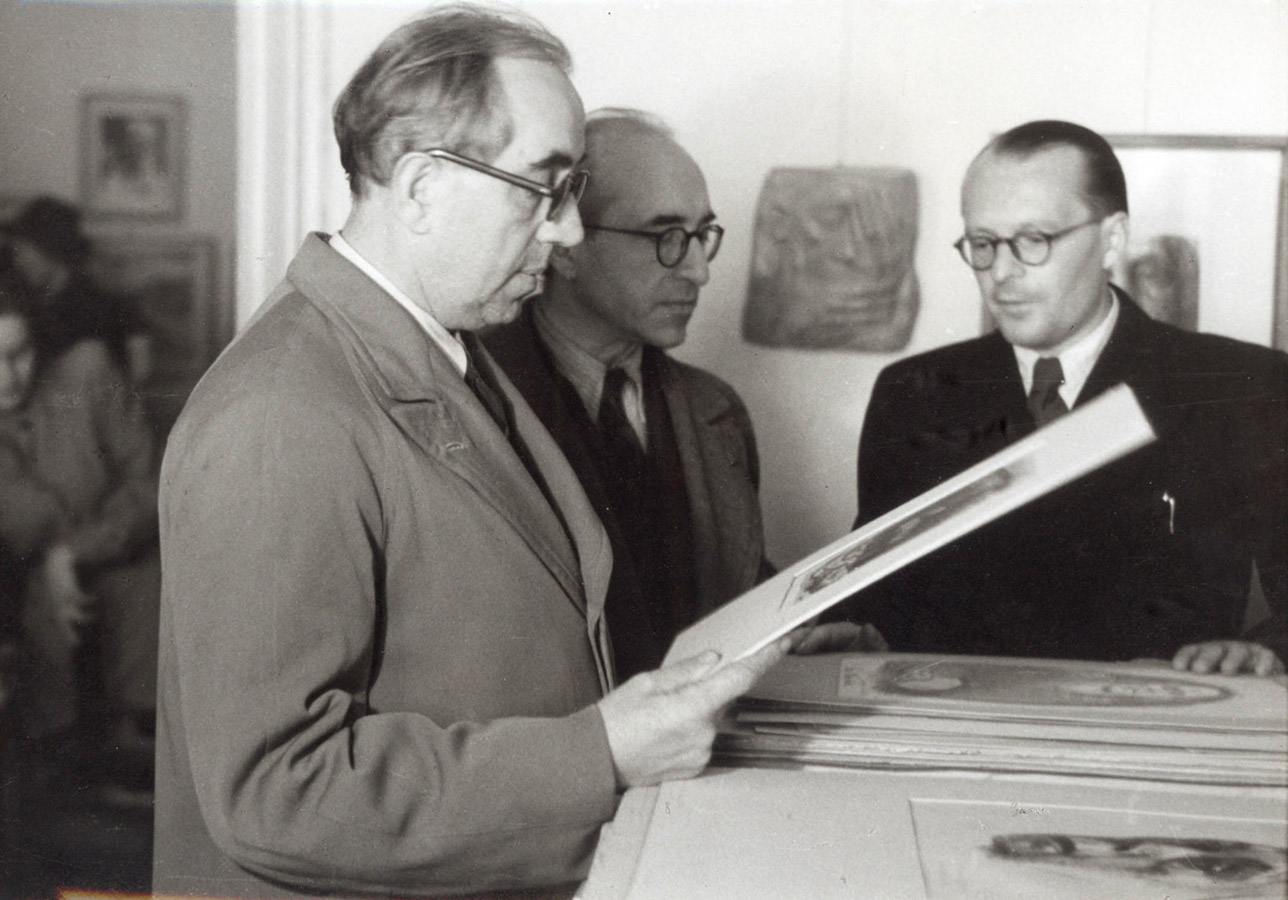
point(385, 669)
point(1151, 556)
point(665, 450)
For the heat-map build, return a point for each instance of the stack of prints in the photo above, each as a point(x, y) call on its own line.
point(910, 711)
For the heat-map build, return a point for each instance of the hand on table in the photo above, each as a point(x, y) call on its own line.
point(1228, 658)
point(661, 724)
point(838, 637)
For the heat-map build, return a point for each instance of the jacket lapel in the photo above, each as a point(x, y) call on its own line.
point(713, 482)
point(428, 397)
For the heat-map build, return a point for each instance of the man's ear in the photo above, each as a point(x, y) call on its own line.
point(562, 262)
point(414, 185)
point(1113, 235)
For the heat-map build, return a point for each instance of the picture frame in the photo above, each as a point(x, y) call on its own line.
point(133, 156)
point(1208, 246)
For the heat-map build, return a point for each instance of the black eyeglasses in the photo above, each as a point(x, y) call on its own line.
point(673, 243)
point(571, 185)
point(1032, 248)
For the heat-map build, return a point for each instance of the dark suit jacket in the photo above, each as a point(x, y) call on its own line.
point(380, 647)
point(1104, 568)
point(717, 452)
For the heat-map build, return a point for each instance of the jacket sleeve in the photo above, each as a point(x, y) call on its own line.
point(1267, 494)
point(126, 516)
point(273, 524)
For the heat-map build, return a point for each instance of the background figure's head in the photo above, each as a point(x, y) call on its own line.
point(17, 344)
point(458, 136)
point(636, 288)
point(47, 244)
point(1045, 213)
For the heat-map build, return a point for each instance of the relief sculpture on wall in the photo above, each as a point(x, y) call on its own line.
point(832, 260)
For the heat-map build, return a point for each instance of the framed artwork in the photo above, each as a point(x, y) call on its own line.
point(832, 260)
point(133, 149)
point(1209, 232)
point(171, 283)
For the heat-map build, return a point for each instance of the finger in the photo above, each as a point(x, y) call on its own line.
point(686, 671)
point(1208, 656)
point(1183, 657)
point(729, 682)
point(1237, 655)
point(1265, 661)
point(873, 640)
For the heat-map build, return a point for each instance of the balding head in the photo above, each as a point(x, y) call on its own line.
point(614, 289)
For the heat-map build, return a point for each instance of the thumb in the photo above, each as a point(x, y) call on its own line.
point(686, 671)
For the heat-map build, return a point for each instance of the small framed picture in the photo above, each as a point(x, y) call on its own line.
point(1209, 232)
point(133, 155)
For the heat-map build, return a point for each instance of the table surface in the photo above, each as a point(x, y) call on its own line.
point(825, 833)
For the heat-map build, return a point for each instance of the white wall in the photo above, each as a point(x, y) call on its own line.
point(753, 84)
point(53, 52)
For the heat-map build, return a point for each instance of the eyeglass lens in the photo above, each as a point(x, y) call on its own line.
point(673, 244)
point(1030, 248)
point(572, 185)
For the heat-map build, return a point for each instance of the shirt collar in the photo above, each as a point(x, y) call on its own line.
point(446, 341)
point(584, 370)
point(1076, 361)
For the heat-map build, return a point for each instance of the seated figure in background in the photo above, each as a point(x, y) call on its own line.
point(49, 253)
point(78, 515)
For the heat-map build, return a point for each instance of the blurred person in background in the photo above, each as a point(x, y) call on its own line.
point(78, 518)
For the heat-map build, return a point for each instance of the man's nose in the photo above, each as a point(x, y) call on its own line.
point(564, 229)
point(694, 266)
point(1005, 264)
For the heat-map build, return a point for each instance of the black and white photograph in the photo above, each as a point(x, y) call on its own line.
point(425, 426)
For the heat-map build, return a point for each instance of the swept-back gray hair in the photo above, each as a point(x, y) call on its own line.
point(432, 83)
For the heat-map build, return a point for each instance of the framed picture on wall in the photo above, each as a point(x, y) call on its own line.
point(133, 149)
point(1208, 248)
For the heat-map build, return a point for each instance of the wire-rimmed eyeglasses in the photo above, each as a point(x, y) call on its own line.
point(571, 185)
point(1032, 248)
point(673, 243)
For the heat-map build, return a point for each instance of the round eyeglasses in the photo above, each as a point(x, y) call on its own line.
point(571, 185)
point(1032, 248)
point(673, 243)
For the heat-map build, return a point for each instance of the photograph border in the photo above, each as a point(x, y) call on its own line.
point(174, 108)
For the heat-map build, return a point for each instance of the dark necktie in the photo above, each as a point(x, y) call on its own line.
point(1045, 401)
point(489, 395)
point(613, 421)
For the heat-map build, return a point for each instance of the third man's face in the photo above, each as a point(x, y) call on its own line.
point(1049, 306)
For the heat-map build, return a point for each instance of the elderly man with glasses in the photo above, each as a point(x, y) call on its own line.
point(1152, 556)
point(385, 669)
point(665, 450)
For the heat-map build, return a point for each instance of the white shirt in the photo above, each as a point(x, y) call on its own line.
point(447, 341)
point(586, 372)
point(1076, 361)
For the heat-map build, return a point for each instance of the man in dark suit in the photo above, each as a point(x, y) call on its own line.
point(665, 450)
point(1151, 556)
point(384, 667)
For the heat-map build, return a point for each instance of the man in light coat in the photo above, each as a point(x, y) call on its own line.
point(384, 665)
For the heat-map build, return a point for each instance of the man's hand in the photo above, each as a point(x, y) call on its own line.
point(661, 724)
point(66, 607)
point(838, 637)
point(1227, 658)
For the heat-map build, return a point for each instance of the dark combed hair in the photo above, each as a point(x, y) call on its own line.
point(1104, 185)
point(431, 83)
